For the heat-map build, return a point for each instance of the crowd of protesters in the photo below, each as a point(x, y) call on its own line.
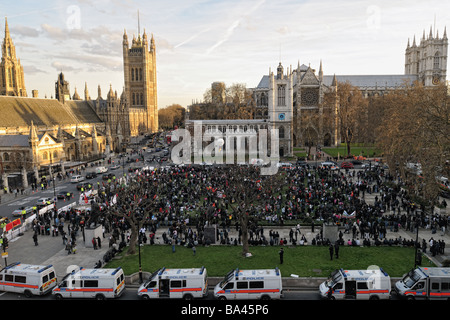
point(192, 198)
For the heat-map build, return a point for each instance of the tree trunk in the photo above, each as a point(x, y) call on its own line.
point(244, 224)
point(133, 239)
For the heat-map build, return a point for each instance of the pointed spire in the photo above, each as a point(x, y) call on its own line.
point(76, 96)
point(320, 71)
point(33, 132)
point(408, 46)
point(86, 92)
point(431, 33)
point(414, 42)
point(445, 33)
point(334, 83)
point(7, 35)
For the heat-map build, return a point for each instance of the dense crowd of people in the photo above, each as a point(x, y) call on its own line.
point(193, 198)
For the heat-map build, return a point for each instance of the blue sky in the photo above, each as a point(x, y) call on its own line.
point(200, 42)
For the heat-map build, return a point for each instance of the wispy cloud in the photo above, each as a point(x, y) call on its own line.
point(202, 41)
point(234, 25)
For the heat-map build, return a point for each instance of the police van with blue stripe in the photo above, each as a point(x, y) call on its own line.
point(370, 284)
point(28, 279)
point(96, 284)
point(174, 283)
point(264, 284)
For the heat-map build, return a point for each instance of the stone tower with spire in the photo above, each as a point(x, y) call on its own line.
point(12, 81)
point(139, 62)
point(428, 60)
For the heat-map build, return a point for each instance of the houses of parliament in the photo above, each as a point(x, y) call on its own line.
point(37, 132)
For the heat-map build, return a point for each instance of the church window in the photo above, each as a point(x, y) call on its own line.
point(281, 95)
point(142, 99)
point(281, 132)
point(436, 61)
point(134, 99)
point(45, 155)
point(140, 74)
point(55, 154)
point(10, 77)
point(132, 74)
point(6, 157)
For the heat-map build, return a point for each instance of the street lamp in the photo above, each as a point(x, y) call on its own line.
point(416, 244)
point(51, 176)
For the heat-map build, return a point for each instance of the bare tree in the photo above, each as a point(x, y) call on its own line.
point(135, 203)
point(247, 187)
point(351, 111)
point(416, 128)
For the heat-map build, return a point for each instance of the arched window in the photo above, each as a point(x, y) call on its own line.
point(281, 132)
point(132, 74)
point(436, 60)
point(134, 99)
point(6, 157)
point(281, 95)
point(140, 74)
point(55, 154)
point(45, 155)
point(142, 99)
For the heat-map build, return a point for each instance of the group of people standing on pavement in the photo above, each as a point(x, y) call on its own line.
point(192, 198)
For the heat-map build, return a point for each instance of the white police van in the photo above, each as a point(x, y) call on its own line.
point(91, 283)
point(371, 284)
point(424, 283)
point(175, 284)
point(28, 279)
point(264, 284)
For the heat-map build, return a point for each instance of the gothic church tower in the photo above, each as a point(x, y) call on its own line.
point(140, 83)
point(12, 82)
point(428, 60)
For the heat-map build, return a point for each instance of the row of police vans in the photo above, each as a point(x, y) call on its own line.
point(263, 284)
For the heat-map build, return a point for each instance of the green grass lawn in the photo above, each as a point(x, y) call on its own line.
point(366, 151)
point(304, 261)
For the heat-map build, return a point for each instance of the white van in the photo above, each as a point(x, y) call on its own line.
point(27, 279)
point(264, 284)
point(91, 283)
point(370, 284)
point(99, 170)
point(175, 284)
point(328, 164)
point(76, 178)
point(424, 283)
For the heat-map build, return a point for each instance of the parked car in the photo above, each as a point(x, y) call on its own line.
point(347, 165)
point(115, 167)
